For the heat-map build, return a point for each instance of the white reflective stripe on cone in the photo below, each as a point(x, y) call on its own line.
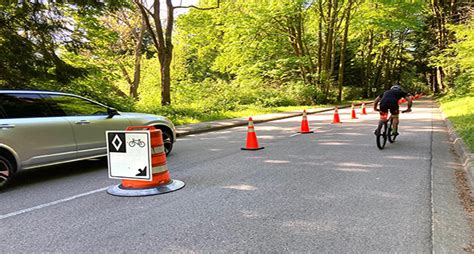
point(158, 149)
point(159, 169)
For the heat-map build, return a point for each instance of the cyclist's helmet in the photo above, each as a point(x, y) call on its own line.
point(398, 87)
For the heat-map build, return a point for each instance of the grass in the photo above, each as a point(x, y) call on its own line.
point(241, 111)
point(460, 111)
point(189, 116)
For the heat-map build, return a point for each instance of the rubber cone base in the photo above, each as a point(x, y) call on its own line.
point(252, 149)
point(119, 190)
point(306, 132)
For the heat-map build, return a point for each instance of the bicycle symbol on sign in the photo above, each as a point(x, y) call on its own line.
point(138, 142)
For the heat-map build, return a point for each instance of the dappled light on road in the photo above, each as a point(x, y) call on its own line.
point(214, 138)
point(352, 169)
point(244, 187)
point(276, 161)
point(250, 214)
point(334, 143)
point(358, 165)
point(310, 226)
point(385, 194)
point(268, 137)
point(402, 157)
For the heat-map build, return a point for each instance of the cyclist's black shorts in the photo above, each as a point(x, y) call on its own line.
point(394, 109)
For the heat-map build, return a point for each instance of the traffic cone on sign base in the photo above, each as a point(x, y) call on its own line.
point(252, 143)
point(305, 125)
point(161, 181)
point(364, 111)
point(336, 116)
point(353, 112)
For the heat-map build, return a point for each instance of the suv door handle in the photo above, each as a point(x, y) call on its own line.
point(83, 122)
point(7, 126)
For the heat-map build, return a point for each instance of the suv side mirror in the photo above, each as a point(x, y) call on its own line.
point(112, 112)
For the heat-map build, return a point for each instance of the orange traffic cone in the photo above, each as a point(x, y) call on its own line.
point(353, 112)
point(305, 125)
point(161, 181)
point(336, 116)
point(364, 111)
point(252, 143)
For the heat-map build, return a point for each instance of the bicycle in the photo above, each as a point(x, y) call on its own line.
point(384, 129)
point(138, 142)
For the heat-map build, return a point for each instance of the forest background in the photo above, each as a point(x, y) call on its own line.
point(224, 58)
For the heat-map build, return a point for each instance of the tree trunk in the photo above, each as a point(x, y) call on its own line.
point(442, 40)
point(162, 39)
point(379, 66)
point(329, 36)
point(166, 82)
point(368, 71)
point(294, 36)
point(330, 44)
point(439, 79)
point(343, 52)
point(320, 39)
point(138, 59)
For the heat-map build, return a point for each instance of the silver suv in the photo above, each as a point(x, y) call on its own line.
point(40, 128)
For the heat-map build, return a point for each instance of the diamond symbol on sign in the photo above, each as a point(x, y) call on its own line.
point(117, 142)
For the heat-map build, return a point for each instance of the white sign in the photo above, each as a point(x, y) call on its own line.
point(129, 155)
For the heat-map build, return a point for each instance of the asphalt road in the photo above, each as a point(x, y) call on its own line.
point(331, 191)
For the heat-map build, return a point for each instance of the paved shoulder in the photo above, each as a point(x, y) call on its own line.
point(451, 228)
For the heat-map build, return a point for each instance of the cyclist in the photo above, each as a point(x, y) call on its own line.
point(389, 101)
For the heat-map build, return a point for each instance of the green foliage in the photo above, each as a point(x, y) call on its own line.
point(458, 60)
point(460, 111)
point(245, 54)
point(353, 93)
point(29, 35)
point(57, 46)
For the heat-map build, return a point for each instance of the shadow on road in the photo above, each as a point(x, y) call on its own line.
point(50, 173)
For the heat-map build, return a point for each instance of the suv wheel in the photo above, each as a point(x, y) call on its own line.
point(6, 171)
point(167, 142)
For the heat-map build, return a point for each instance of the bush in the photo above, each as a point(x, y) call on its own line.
point(353, 93)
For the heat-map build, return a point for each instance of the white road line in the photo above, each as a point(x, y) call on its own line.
point(4, 216)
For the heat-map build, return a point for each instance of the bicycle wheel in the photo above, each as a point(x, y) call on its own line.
point(391, 137)
point(381, 134)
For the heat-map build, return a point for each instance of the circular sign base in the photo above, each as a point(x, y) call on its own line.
point(119, 190)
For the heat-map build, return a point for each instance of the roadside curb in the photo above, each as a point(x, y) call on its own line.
point(461, 149)
point(189, 129)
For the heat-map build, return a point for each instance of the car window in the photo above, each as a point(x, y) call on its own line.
point(75, 106)
point(18, 105)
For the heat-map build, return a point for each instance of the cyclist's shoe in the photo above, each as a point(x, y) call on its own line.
point(377, 132)
point(394, 133)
